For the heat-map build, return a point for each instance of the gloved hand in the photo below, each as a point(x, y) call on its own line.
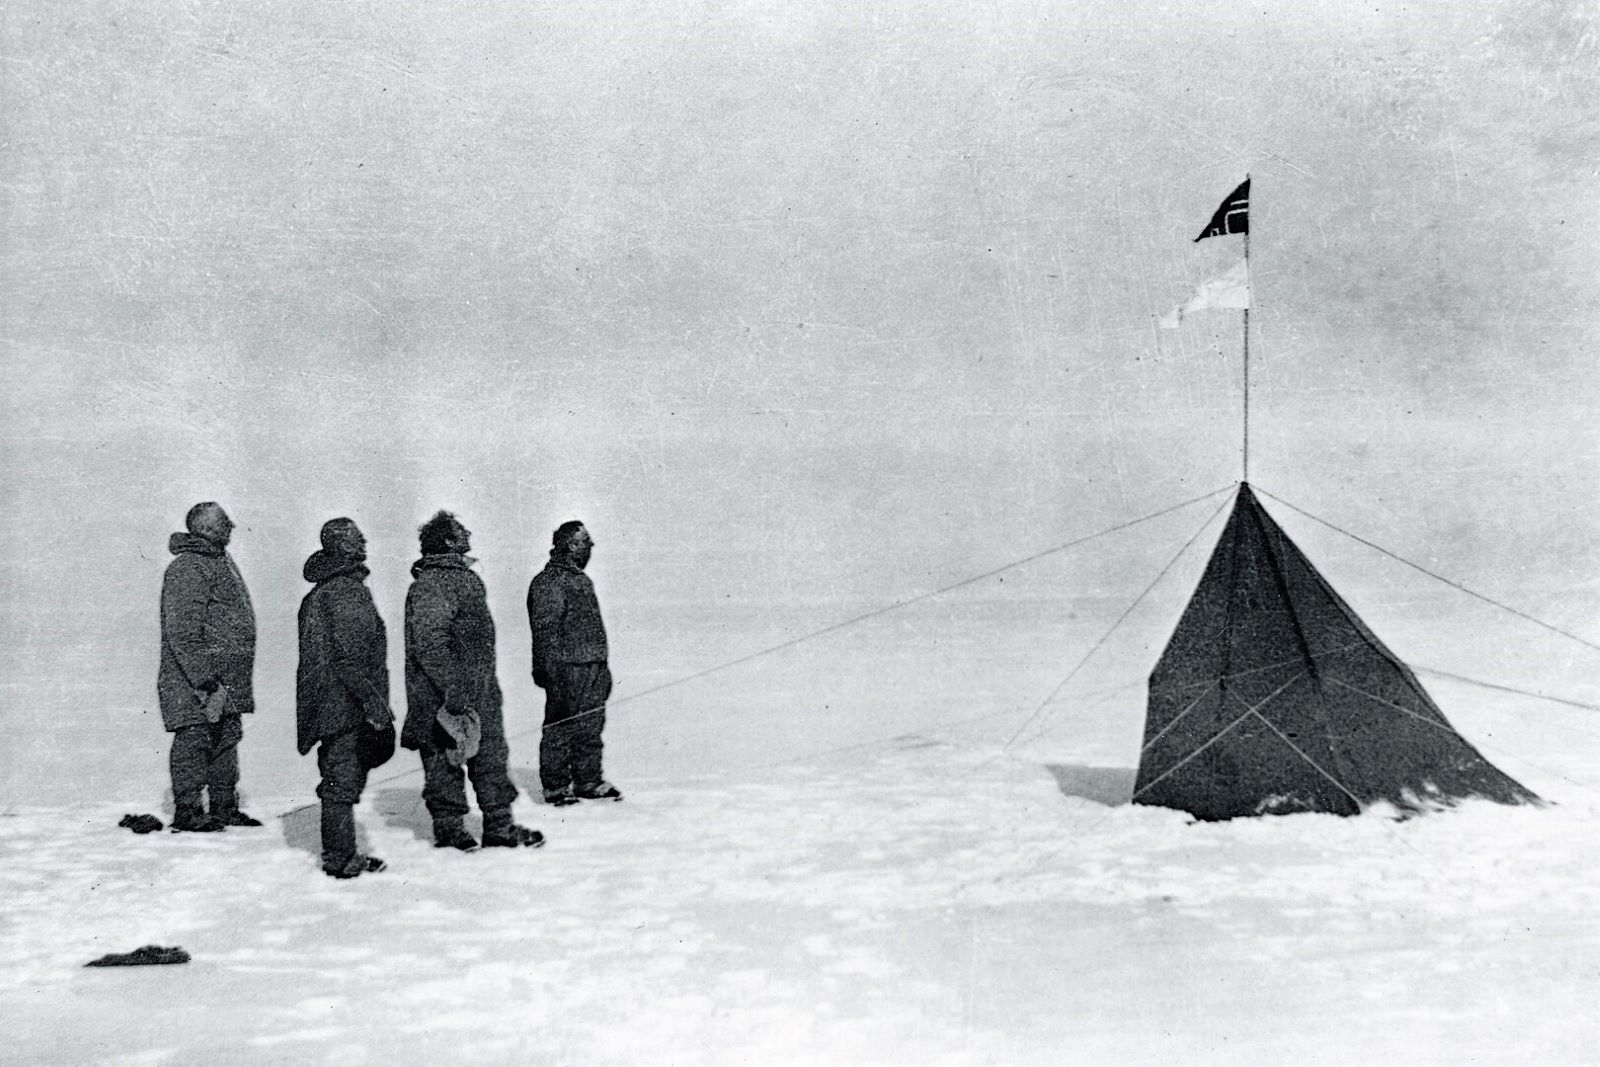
point(541, 678)
point(465, 732)
point(212, 696)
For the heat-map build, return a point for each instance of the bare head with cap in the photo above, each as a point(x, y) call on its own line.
point(571, 542)
point(342, 537)
point(207, 519)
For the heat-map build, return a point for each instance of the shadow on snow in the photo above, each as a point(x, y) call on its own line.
point(1110, 786)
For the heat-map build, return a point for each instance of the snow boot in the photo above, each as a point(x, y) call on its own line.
point(516, 837)
point(338, 838)
point(598, 791)
point(191, 817)
point(237, 818)
point(559, 798)
point(356, 866)
point(225, 809)
point(452, 834)
point(499, 831)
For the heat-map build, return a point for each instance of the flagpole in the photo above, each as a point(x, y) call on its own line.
point(1250, 298)
point(1233, 217)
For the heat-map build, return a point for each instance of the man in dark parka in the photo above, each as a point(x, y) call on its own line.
point(569, 664)
point(342, 688)
point(208, 651)
point(453, 700)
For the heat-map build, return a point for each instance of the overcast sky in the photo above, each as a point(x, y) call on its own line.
point(825, 302)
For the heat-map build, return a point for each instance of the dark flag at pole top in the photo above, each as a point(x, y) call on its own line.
point(1233, 216)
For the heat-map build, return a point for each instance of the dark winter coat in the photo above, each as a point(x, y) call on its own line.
point(343, 679)
point(564, 618)
point(449, 646)
point(208, 633)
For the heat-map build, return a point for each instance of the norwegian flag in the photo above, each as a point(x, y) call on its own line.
point(1233, 216)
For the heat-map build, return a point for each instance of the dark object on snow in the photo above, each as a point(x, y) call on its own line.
point(598, 791)
point(1273, 697)
point(149, 955)
point(142, 824)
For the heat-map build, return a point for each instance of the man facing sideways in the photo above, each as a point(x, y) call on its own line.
point(208, 652)
point(342, 689)
point(453, 713)
point(569, 664)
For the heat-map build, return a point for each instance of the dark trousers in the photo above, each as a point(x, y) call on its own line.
point(444, 787)
point(343, 778)
point(206, 756)
point(574, 716)
point(343, 775)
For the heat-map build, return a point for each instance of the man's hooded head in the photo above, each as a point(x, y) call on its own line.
point(208, 520)
point(342, 537)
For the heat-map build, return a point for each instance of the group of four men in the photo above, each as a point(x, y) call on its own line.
point(453, 700)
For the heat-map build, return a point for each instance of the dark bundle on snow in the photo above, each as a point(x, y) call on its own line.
point(149, 955)
point(141, 824)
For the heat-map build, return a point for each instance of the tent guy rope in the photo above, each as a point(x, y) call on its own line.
point(1037, 712)
point(1436, 577)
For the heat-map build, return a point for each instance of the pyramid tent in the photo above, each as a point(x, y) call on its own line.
point(1274, 697)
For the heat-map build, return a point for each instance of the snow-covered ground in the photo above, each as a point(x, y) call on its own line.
point(849, 852)
point(929, 900)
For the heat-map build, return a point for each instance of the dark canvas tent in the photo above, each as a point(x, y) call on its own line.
point(1273, 697)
